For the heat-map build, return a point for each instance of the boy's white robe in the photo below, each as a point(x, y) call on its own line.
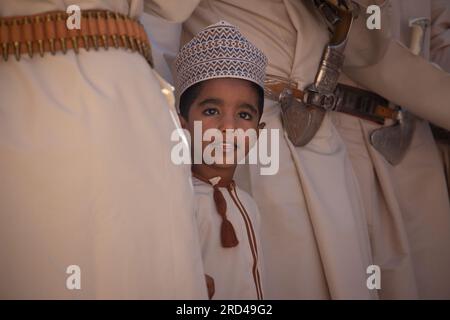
point(236, 271)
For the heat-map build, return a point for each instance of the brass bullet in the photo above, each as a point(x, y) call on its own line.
point(99, 16)
point(140, 48)
point(124, 41)
point(30, 49)
point(75, 44)
point(16, 44)
point(17, 50)
point(94, 37)
point(41, 47)
point(37, 19)
point(86, 42)
point(109, 16)
point(114, 39)
point(132, 43)
point(122, 36)
point(52, 46)
point(29, 43)
point(105, 42)
point(63, 45)
point(5, 51)
point(95, 41)
point(145, 50)
point(62, 40)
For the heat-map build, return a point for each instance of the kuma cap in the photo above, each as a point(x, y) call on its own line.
point(219, 51)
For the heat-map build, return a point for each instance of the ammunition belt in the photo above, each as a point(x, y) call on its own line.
point(47, 32)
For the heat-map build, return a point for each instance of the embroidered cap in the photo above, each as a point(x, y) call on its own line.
point(219, 51)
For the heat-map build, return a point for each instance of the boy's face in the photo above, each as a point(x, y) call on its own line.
point(225, 104)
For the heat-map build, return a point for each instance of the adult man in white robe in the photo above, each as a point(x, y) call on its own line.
point(85, 171)
point(440, 54)
point(407, 202)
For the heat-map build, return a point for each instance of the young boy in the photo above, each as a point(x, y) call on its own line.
point(220, 81)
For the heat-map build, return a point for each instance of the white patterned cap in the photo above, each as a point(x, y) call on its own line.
point(219, 51)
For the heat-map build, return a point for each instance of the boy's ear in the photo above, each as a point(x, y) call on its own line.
point(183, 121)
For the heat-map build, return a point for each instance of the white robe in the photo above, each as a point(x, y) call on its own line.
point(236, 271)
point(407, 204)
point(440, 54)
point(86, 175)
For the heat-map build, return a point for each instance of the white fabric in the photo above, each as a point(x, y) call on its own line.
point(87, 179)
point(164, 49)
point(407, 204)
point(231, 268)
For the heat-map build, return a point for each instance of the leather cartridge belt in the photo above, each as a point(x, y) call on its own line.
point(47, 32)
point(354, 101)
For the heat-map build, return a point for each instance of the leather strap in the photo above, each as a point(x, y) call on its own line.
point(47, 32)
point(357, 102)
point(277, 88)
point(275, 85)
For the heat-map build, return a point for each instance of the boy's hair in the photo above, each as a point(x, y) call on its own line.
point(190, 94)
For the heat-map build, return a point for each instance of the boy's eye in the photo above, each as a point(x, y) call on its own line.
point(210, 112)
point(245, 115)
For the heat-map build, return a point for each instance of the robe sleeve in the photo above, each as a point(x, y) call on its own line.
point(440, 33)
point(381, 64)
